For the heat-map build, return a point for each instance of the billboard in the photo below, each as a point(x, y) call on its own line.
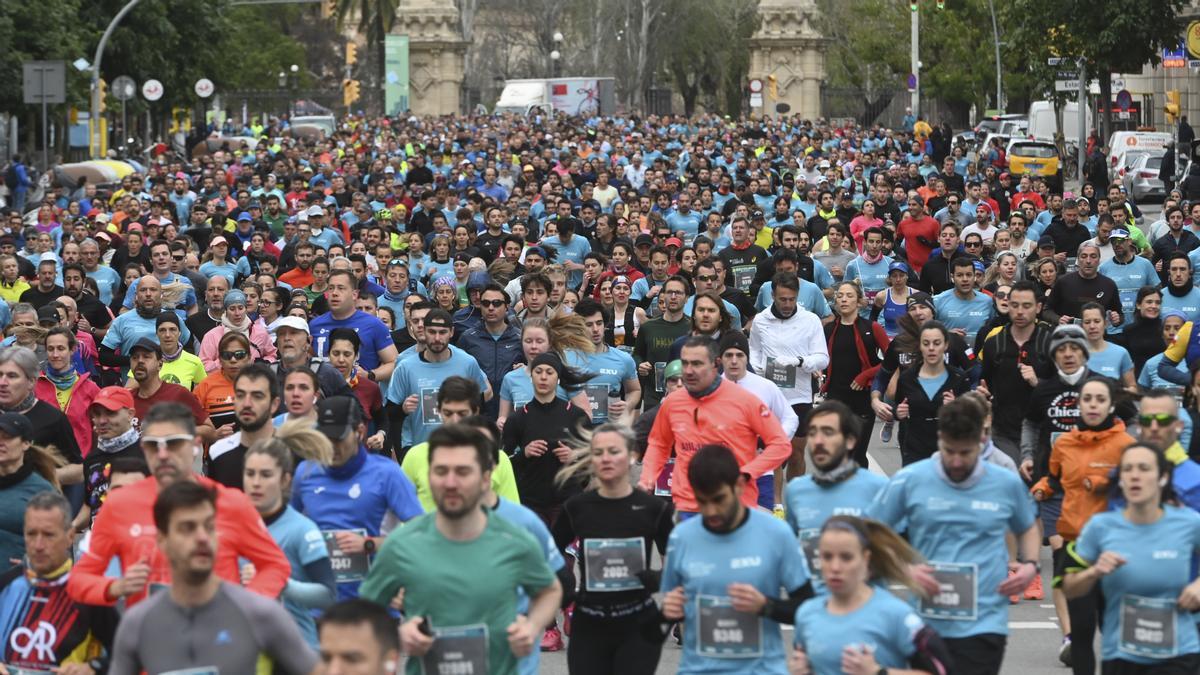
point(395, 74)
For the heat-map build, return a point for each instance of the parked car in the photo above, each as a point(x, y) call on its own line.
point(1141, 179)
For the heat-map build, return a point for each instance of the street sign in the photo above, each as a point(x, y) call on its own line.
point(152, 90)
point(124, 88)
point(1192, 40)
point(912, 82)
point(756, 100)
point(1056, 61)
point(1124, 100)
point(756, 86)
point(44, 82)
point(1066, 74)
point(1066, 85)
point(204, 87)
point(1175, 58)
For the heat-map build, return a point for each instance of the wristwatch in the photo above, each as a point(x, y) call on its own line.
point(371, 375)
point(369, 545)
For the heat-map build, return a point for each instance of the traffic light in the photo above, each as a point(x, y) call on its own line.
point(912, 5)
point(349, 92)
point(103, 87)
point(773, 86)
point(941, 4)
point(1172, 108)
point(328, 8)
point(351, 53)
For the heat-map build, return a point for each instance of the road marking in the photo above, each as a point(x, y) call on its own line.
point(1032, 625)
point(874, 466)
point(1046, 606)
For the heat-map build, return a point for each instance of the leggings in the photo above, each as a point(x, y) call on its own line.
point(1085, 613)
point(866, 422)
point(606, 646)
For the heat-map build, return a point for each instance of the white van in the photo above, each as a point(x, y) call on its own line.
point(1043, 126)
point(1121, 142)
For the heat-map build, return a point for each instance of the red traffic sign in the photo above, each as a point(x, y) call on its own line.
point(756, 85)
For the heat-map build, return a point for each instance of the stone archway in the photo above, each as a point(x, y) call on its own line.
point(789, 46)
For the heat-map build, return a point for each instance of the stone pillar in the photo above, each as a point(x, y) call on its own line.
point(436, 55)
point(789, 46)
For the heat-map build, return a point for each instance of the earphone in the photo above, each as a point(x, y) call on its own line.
point(389, 666)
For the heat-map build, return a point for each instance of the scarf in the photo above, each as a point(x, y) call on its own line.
point(710, 389)
point(170, 358)
point(64, 380)
point(230, 327)
point(965, 484)
point(22, 406)
point(148, 313)
point(1074, 378)
point(1180, 291)
point(837, 474)
point(869, 259)
point(111, 445)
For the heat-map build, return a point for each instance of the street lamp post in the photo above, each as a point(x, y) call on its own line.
point(556, 55)
point(294, 81)
point(95, 91)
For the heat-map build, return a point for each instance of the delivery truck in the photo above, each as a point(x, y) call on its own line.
point(583, 96)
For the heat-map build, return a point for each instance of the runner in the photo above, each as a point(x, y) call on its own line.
point(614, 389)
point(956, 509)
point(1141, 556)
point(724, 571)
point(615, 527)
point(463, 611)
point(358, 637)
point(165, 633)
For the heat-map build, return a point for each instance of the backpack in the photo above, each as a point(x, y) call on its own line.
point(12, 180)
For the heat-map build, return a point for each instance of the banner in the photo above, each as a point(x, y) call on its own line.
point(395, 74)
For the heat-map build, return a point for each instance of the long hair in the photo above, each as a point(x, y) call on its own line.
point(891, 556)
point(565, 332)
point(578, 469)
point(44, 462)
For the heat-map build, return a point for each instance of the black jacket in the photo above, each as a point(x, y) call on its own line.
point(918, 433)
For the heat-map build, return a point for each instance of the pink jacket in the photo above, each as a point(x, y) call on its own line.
point(77, 408)
point(260, 345)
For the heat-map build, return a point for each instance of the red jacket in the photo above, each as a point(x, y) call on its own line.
point(125, 528)
point(77, 407)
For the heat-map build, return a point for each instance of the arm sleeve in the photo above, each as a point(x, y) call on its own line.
point(124, 653)
point(402, 496)
point(317, 594)
point(1029, 439)
point(110, 357)
point(658, 445)
point(255, 544)
point(888, 507)
point(87, 584)
point(281, 637)
point(816, 351)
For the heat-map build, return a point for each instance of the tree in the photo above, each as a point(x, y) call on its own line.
point(1113, 36)
point(375, 21)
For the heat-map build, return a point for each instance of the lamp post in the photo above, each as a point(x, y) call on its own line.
point(556, 55)
point(294, 83)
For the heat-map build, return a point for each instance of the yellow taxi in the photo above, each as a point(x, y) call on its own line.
point(1028, 157)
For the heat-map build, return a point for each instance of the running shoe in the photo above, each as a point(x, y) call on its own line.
point(1035, 591)
point(1064, 652)
point(885, 434)
point(552, 640)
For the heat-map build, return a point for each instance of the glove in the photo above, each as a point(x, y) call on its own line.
point(787, 361)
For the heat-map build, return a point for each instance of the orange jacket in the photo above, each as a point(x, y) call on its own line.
point(730, 416)
point(125, 528)
point(1078, 456)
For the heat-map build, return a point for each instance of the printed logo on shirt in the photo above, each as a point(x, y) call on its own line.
point(939, 504)
point(978, 505)
point(25, 641)
point(355, 491)
point(1166, 554)
point(699, 568)
point(223, 638)
point(847, 511)
point(744, 563)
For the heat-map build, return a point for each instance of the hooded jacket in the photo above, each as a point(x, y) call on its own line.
point(1081, 462)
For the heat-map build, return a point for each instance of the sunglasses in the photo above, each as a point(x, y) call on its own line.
point(973, 244)
point(492, 303)
point(235, 356)
point(173, 443)
point(707, 277)
point(1163, 419)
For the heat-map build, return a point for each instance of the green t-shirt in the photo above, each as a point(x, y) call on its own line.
point(416, 467)
point(460, 585)
point(653, 344)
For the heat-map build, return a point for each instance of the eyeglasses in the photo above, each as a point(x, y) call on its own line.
point(173, 443)
point(178, 257)
point(1000, 295)
point(1163, 419)
point(492, 303)
point(973, 244)
point(235, 356)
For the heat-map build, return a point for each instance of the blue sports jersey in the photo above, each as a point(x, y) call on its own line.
point(688, 222)
point(373, 335)
point(968, 315)
point(414, 376)
point(357, 495)
point(961, 532)
point(302, 543)
point(526, 519)
point(610, 369)
point(809, 505)
point(885, 624)
point(1113, 361)
point(641, 288)
point(762, 553)
point(228, 270)
point(1189, 304)
point(573, 251)
point(1158, 565)
point(189, 296)
point(872, 279)
point(1129, 278)
point(106, 279)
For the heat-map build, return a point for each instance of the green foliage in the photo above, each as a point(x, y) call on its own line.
point(34, 31)
point(704, 56)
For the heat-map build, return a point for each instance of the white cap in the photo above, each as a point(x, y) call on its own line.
point(316, 210)
point(292, 322)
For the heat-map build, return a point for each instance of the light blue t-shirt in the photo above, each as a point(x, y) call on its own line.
point(931, 385)
point(416, 376)
point(130, 327)
point(969, 315)
point(886, 624)
point(106, 280)
point(1129, 278)
point(809, 505)
point(872, 279)
point(573, 251)
point(1114, 361)
point(962, 526)
point(517, 388)
point(641, 288)
point(610, 369)
point(228, 270)
point(189, 296)
point(1158, 565)
point(761, 552)
point(1189, 304)
point(689, 223)
point(301, 541)
point(527, 520)
point(810, 297)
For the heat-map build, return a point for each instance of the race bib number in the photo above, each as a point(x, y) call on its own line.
point(613, 564)
point(957, 592)
point(783, 376)
point(461, 650)
point(662, 487)
point(429, 409)
point(743, 277)
point(725, 632)
point(597, 396)
point(1148, 627)
point(628, 349)
point(660, 380)
point(808, 545)
point(347, 567)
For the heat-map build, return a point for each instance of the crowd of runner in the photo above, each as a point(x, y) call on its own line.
point(445, 393)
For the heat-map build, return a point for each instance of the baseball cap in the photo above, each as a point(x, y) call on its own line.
point(18, 425)
point(315, 210)
point(338, 416)
point(537, 250)
point(1045, 241)
point(673, 241)
point(244, 216)
point(898, 267)
point(114, 398)
point(979, 266)
point(673, 370)
point(644, 240)
point(217, 240)
point(1119, 233)
point(48, 314)
point(438, 318)
point(147, 344)
point(293, 322)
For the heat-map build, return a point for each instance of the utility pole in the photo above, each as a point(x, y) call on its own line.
point(996, 41)
point(95, 97)
point(915, 59)
point(1081, 151)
